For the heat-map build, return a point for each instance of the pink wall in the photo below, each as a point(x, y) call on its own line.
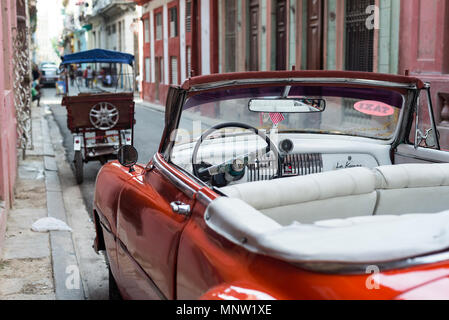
point(424, 51)
point(424, 40)
point(8, 135)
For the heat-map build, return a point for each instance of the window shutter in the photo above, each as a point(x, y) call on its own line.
point(189, 61)
point(174, 70)
point(189, 16)
point(147, 70)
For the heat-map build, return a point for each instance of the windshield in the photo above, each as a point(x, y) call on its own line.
point(95, 78)
point(353, 111)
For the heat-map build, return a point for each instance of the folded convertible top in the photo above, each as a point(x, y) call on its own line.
point(360, 240)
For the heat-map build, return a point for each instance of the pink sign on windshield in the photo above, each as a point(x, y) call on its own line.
point(374, 108)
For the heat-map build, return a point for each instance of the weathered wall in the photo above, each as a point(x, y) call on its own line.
point(8, 136)
point(424, 51)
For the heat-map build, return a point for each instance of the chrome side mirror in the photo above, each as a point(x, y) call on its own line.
point(428, 138)
point(127, 156)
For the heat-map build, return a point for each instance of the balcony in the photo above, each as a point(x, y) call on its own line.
point(111, 7)
point(141, 2)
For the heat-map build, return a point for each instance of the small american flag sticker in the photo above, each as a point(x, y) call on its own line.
point(276, 117)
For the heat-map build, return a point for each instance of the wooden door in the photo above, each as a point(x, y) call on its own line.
point(230, 35)
point(281, 35)
point(254, 35)
point(315, 35)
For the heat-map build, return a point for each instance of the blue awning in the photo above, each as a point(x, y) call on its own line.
point(98, 55)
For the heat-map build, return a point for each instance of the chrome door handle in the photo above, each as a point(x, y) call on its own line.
point(180, 208)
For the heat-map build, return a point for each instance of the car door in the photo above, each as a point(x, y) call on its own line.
point(423, 143)
point(152, 213)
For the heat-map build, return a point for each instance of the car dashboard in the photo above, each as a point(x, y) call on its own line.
point(300, 164)
point(301, 155)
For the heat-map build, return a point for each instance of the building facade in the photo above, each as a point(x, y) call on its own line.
point(113, 26)
point(178, 39)
point(76, 27)
point(184, 37)
point(360, 35)
point(47, 37)
point(104, 24)
point(8, 134)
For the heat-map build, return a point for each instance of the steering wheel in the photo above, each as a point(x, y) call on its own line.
point(234, 168)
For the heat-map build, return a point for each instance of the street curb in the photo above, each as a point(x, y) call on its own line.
point(68, 284)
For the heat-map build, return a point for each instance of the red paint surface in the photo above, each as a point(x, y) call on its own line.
point(301, 74)
point(149, 92)
point(187, 260)
point(435, 289)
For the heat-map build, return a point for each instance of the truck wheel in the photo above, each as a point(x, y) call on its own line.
point(79, 167)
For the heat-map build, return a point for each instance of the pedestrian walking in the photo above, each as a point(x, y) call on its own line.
point(88, 76)
point(72, 75)
point(79, 76)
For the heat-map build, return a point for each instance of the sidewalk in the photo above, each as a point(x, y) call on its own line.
point(26, 267)
point(47, 265)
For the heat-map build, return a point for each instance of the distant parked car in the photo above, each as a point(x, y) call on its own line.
point(50, 73)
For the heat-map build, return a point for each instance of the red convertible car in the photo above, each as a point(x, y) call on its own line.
point(283, 185)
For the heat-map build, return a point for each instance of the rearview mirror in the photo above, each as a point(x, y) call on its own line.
point(287, 105)
point(127, 156)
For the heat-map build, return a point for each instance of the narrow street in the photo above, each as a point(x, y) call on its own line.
point(148, 130)
point(249, 150)
point(46, 261)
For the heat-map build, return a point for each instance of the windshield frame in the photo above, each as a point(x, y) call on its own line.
point(178, 96)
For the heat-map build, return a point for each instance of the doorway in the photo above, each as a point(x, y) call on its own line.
point(315, 34)
point(254, 35)
point(359, 39)
point(281, 35)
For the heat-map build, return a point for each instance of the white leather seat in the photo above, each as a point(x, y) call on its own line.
point(355, 192)
point(307, 199)
point(321, 203)
point(412, 188)
point(366, 240)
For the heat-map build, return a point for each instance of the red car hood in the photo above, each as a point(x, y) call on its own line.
point(434, 290)
point(428, 282)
